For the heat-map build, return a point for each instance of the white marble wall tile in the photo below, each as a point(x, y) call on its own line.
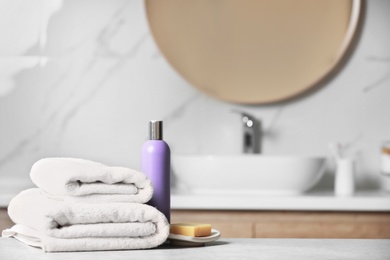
point(82, 78)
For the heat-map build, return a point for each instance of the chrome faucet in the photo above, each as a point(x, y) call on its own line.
point(252, 133)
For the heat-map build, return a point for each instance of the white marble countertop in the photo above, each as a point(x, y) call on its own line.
point(316, 201)
point(319, 201)
point(373, 249)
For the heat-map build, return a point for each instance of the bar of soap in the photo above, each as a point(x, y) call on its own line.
point(191, 229)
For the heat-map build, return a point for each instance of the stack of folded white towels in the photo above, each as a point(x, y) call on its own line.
point(81, 205)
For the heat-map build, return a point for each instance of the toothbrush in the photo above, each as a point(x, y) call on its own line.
point(335, 149)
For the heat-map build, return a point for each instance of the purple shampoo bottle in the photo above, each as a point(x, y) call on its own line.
point(156, 160)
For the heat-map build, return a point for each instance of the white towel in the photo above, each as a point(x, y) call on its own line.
point(62, 226)
point(88, 181)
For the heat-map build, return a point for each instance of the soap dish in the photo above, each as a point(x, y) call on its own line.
point(180, 240)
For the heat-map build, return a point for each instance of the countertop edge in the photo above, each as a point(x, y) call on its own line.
point(364, 201)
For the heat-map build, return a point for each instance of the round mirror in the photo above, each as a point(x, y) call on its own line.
point(253, 51)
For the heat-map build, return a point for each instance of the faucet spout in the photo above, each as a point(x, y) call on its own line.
point(251, 133)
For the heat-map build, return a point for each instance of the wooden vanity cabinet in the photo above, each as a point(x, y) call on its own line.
point(280, 224)
point(5, 221)
point(291, 224)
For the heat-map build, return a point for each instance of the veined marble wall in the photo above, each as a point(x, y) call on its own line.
point(82, 78)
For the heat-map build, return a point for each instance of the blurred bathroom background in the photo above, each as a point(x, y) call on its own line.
point(82, 78)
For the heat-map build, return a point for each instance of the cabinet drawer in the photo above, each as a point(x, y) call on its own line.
point(291, 224)
point(227, 224)
point(292, 229)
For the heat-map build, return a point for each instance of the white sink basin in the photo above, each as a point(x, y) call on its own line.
point(246, 174)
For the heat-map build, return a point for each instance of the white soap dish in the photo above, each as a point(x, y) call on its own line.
point(180, 240)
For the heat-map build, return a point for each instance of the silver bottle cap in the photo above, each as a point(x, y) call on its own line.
point(155, 130)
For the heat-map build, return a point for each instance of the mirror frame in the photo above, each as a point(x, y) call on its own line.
point(346, 43)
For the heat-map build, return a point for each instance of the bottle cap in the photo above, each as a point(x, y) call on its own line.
point(155, 130)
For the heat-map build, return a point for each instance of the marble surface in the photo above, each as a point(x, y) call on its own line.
point(81, 78)
point(371, 201)
point(372, 249)
point(317, 201)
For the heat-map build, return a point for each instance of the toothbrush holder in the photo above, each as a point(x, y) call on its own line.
point(345, 177)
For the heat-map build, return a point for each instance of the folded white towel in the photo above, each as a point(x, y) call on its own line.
point(88, 181)
point(62, 226)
